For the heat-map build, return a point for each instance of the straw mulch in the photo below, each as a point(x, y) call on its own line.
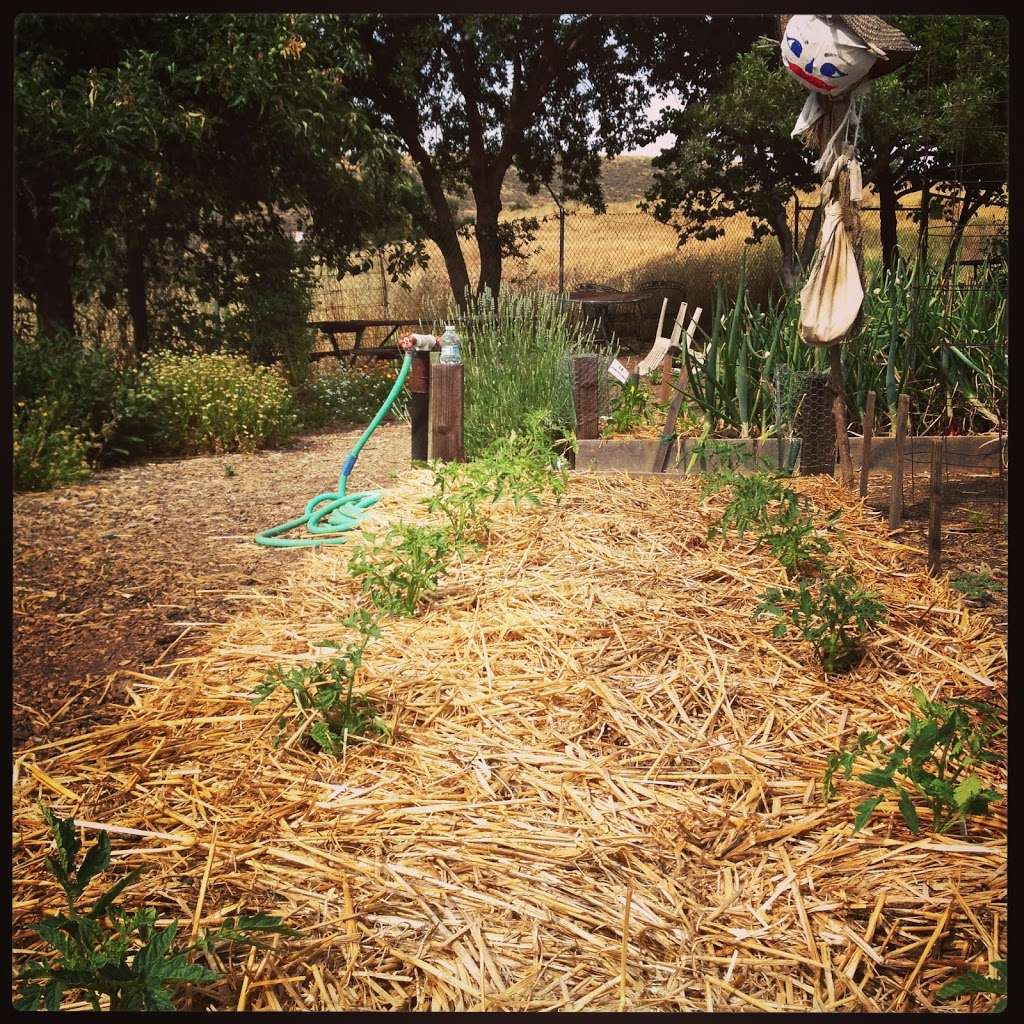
point(603, 791)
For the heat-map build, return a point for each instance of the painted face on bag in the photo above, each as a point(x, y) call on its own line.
point(824, 57)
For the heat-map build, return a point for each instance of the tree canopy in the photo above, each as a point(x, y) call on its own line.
point(470, 97)
point(174, 145)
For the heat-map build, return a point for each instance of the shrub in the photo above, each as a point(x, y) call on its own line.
point(351, 395)
point(215, 403)
point(397, 570)
point(521, 466)
point(46, 455)
point(84, 390)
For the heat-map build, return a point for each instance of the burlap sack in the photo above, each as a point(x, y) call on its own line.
point(833, 294)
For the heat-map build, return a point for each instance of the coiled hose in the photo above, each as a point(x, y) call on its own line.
point(335, 512)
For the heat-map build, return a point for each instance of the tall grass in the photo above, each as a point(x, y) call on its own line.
point(944, 345)
point(517, 352)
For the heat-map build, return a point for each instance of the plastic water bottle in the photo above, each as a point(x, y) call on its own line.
point(451, 351)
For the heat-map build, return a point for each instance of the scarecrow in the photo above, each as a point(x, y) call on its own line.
point(835, 57)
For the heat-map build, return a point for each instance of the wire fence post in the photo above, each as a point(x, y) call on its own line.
point(935, 508)
point(896, 495)
point(865, 450)
point(584, 390)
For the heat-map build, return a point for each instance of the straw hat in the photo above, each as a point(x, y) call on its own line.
point(890, 45)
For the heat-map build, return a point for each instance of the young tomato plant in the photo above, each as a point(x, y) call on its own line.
point(323, 693)
point(935, 758)
point(398, 569)
point(792, 536)
point(832, 614)
point(633, 407)
point(108, 951)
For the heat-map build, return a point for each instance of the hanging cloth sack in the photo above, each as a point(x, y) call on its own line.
point(833, 294)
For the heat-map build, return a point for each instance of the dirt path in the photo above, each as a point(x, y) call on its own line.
point(111, 574)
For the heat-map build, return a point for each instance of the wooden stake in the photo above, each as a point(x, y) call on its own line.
point(935, 509)
point(896, 496)
point(666, 379)
point(865, 451)
point(446, 400)
point(839, 412)
point(584, 381)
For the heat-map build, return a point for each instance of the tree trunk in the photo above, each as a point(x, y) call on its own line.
point(811, 238)
point(790, 271)
point(136, 287)
point(487, 209)
point(42, 267)
point(55, 304)
point(887, 212)
point(968, 208)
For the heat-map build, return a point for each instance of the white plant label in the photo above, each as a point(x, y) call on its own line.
point(618, 371)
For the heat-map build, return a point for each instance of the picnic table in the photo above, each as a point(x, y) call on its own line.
point(332, 328)
point(605, 306)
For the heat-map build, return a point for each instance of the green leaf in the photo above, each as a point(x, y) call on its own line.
point(968, 789)
point(865, 810)
point(96, 860)
point(908, 811)
point(106, 900)
point(878, 777)
point(969, 983)
point(326, 739)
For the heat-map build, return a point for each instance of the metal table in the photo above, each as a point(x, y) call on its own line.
point(601, 306)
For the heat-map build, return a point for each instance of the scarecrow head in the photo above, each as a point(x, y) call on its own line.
point(831, 53)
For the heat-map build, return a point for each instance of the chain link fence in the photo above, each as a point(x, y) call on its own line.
point(628, 250)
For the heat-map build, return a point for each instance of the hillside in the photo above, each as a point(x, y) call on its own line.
point(624, 179)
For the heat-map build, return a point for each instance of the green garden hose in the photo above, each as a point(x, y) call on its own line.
point(335, 512)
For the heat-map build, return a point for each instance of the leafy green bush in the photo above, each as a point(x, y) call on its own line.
point(46, 455)
point(831, 613)
point(976, 586)
point(935, 758)
point(517, 353)
point(634, 406)
point(94, 945)
point(215, 403)
point(351, 395)
point(84, 391)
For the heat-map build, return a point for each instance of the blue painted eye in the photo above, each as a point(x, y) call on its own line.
point(831, 71)
point(794, 46)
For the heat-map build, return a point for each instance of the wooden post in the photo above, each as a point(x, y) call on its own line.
point(896, 496)
point(935, 509)
point(446, 399)
point(839, 412)
point(666, 379)
point(584, 382)
point(419, 405)
point(865, 451)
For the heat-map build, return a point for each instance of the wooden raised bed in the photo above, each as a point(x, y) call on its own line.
point(982, 452)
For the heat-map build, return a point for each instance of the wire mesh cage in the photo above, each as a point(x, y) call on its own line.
point(805, 425)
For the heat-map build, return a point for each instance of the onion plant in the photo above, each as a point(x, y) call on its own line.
point(942, 342)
